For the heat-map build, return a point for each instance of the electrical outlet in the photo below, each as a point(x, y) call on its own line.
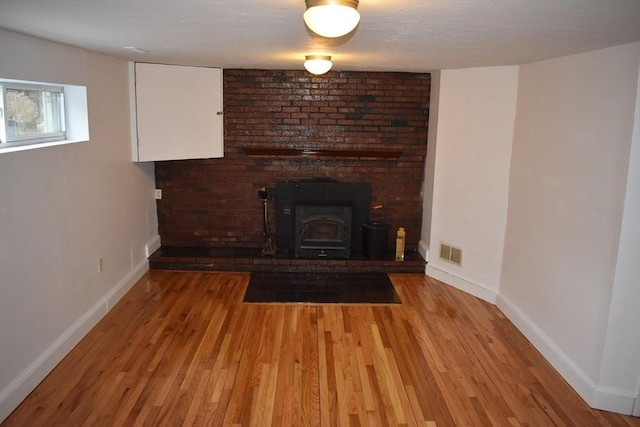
point(158, 194)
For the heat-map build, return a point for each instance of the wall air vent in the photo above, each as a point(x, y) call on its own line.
point(450, 253)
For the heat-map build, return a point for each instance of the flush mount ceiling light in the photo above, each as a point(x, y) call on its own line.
point(331, 18)
point(317, 64)
point(136, 49)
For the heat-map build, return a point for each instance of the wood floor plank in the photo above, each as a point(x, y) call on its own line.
point(182, 349)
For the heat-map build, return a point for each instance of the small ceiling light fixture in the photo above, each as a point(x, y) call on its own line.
point(136, 49)
point(331, 18)
point(317, 64)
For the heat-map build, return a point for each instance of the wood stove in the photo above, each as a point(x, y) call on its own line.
point(294, 198)
point(323, 231)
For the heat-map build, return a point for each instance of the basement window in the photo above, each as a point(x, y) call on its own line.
point(33, 115)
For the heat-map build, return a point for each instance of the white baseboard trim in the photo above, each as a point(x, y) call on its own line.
point(18, 389)
point(152, 245)
point(575, 376)
point(462, 284)
point(599, 398)
point(14, 393)
point(114, 295)
point(613, 400)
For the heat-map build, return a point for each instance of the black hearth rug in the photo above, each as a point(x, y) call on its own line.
point(324, 288)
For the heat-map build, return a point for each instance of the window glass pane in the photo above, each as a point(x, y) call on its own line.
point(33, 113)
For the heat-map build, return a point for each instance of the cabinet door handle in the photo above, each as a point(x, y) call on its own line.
point(220, 113)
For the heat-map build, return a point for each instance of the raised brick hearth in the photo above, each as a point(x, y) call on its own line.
point(287, 125)
point(248, 259)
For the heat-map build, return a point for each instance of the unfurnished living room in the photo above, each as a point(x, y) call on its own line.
point(320, 212)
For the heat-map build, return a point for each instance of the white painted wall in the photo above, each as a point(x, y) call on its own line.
point(563, 249)
point(474, 133)
point(621, 354)
point(61, 209)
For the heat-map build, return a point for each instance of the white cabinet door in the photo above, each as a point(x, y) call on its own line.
point(178, 112)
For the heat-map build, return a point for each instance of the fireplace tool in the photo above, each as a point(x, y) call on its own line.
point(268, 248)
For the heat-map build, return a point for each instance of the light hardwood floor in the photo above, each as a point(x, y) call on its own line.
point(182, 349)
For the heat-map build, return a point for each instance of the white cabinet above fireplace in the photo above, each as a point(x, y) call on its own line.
point(176, 112)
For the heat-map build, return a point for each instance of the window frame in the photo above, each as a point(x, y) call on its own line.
point(75, 116)
point(32, 138)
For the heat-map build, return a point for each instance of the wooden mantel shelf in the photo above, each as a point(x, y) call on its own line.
point(320, 153)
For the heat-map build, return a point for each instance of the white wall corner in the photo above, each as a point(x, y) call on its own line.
point(566, 367)
point(423, 250)
point(132, 111)
point(464, 285)
point(152, 245)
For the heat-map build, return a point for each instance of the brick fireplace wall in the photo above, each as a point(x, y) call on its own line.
point(215, 202)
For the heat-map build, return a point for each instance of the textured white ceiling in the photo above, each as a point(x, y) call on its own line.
point(393, 35)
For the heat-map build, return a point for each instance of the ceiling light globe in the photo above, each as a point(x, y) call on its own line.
point(317, 64)
point(331, 18)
